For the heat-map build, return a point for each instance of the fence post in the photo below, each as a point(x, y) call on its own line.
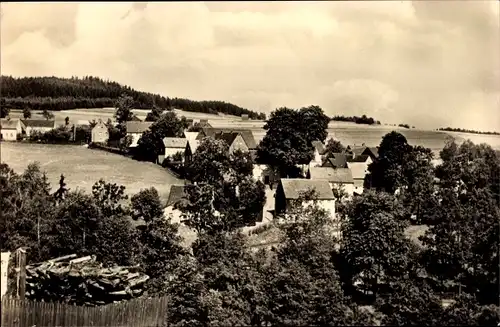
point(22, 273)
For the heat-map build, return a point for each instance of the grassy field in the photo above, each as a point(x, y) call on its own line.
point(347, 133)
point(82, 167)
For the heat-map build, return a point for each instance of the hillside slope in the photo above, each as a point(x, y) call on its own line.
point(55, 93)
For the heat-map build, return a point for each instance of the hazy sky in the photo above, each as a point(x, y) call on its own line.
point(426, 63)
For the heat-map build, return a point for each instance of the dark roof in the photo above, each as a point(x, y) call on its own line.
point(246, 134)
point(176, 195)
point(358, 158)
point(39, 123)
point(332, 175)
point(318, 145)
point(292, 187)
point(371, 151)
point(337, 160)
point(8, 123)
point(227, 137)
point(137, 126)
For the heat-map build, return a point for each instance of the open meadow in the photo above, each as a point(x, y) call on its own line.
point(82, 167)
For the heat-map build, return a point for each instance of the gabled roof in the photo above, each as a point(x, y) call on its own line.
point(8, 123)
point(337, 160)
point(358, 169)
point(99, 125)
point(135, 118)
point(358, 158)
point(175, 142)
point(292, 187)
point(227, 137)
point(246, 134)
point(193, 145)
point(332, 175)
point(371, 151)
point(39, 123)
point(137, 126)
point(176, 195)
point(190, 135)
point(318, 145)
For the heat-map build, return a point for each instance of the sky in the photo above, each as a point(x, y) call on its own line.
point(426, 63)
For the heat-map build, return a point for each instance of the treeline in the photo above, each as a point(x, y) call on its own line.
point(358, 120)
point(55, 93)
point(462, 130)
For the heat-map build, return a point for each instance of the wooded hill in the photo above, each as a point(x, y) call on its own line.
point(55, 93)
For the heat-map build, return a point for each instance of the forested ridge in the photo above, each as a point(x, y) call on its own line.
point(56, 93)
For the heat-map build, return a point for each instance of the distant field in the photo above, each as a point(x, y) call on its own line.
point(347, 133)
point(82, 167)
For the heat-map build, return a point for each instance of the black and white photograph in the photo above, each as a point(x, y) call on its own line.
point(250, 163)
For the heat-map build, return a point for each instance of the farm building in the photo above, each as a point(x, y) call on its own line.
point(100, 133)
point(135, 130)
point(291, 189)
point(246, 134)
point(338, 178)
point(10, 128)
point(359, 168)
point(234, 140)
point(173, 145)
point(319, 151)
point(38, 125)
point(175, 197)
point(191, 147)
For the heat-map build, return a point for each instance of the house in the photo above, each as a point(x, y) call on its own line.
point(38, 125)
point(173, 145)
point(337, 160)
point(244, 116)
point(10, 128)
point(246, 134)
point(290, 189)
point(100, 133)
point(175, 197)
point(191, 135)
point(359, 168)
point(265, 174)
point(338, 178)
point(135, 130)
point(372, 152)
point(319, 151)
point(191, 147)
point(234, 140)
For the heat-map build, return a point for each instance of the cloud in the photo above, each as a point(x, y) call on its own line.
point(422, 63)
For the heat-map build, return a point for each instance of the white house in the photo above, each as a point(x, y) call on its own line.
point(100, 133)
point(359, 168)
point(38, 125)
point(10, 128)
point(173, 145)
point(337, 178)
point(175, 197)
point(291, 188)
point(319, 151)
point(135, 129)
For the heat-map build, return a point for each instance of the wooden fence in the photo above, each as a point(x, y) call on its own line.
point(137, 312)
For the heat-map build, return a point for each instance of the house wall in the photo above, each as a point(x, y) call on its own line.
point(261, 171)
point(348, 188)
point(316, 161)
point(359, 185)
point(9, 134)
point(100, 134)
point(135, 138)
point(238, 144)
point(30, 129)
point(171, 151)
